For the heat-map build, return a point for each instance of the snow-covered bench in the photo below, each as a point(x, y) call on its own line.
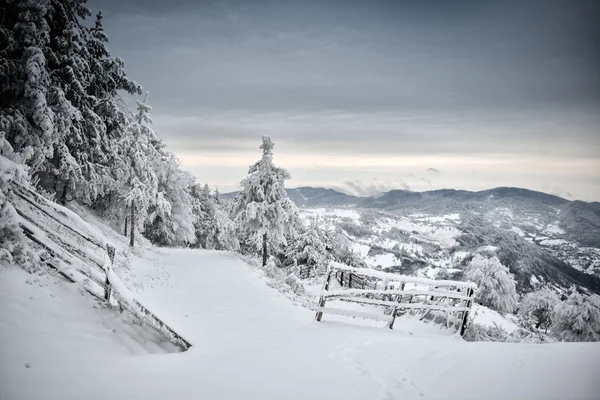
point(440, 301)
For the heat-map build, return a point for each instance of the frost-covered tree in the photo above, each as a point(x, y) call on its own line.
point(496, 287)
point(29, 119)
point(577, 319)
point(170, 219)
point(539, 307)
point(212, 225)
point(346, 255)
point(62, 113)
point(262, 211)
point(308, 252)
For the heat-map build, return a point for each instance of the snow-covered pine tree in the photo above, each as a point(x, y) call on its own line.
point(577, 319)
point(222, 233)
point(202, 212)
point(107, 78)
point(539, 307)
point(28, 120)
point(213, 227)
point(262, 211)
point(172, 225)
point(138, 161)
point(496, 287)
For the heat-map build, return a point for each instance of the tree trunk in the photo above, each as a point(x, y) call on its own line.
point(63, 195)
point(264, 249)
point(125, 230)
point(132, 222)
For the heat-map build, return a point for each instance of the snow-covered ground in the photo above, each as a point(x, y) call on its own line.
point(251, 342)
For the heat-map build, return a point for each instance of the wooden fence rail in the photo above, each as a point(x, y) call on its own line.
point(441, 301)
point(82, 259)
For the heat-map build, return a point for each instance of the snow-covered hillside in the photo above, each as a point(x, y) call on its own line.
point(250, 342)
point(537, 251)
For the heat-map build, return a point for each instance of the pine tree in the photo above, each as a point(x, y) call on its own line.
point(61, 111)
point(262, 211)
point(172, 222)
point(212, 226)
point(28, 119)
point(496, 287)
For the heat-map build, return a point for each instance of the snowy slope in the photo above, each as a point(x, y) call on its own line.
point(250, 342)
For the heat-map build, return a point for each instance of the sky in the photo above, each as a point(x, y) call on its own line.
point(368, 96)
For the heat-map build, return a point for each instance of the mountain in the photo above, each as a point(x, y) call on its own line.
point(444, 199)
point(542, 238)
point(581, 220)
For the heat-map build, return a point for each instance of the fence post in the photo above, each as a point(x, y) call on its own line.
point(465, 321)
point(391, 323)
point(322, 299)
point(107, 286)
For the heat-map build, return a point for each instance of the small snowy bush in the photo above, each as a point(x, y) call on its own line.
point(481, 333)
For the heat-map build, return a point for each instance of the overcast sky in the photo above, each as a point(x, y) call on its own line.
point(373, 95)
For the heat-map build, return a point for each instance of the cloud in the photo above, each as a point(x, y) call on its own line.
point(378, 81)
point(556, 191)
point(365, 189)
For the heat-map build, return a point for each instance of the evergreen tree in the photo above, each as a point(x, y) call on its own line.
point(213, 227)
point(170, 219)
point(61, 112)
point(28, 120)
point(262, 211)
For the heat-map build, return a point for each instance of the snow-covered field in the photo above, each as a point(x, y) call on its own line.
point(251, 342)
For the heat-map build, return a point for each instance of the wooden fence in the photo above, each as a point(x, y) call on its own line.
point(440, 301)
point(80, 257)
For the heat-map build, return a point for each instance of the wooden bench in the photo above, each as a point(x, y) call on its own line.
point(438, 300)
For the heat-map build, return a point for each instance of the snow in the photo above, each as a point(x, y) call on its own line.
point(384, 260)
point(484, 316)
point(400, 278)
point(553, 242)
point(553, 230)
point(337, 213)
point(518, 231)
point(442, 218)
point(251, 342)
point(488, 248)
point(361, 249)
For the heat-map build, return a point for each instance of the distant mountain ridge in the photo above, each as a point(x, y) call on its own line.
point(307, 196)
point(579, 219)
